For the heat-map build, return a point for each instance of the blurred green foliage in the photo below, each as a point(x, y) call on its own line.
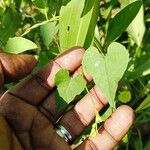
point(38, 21)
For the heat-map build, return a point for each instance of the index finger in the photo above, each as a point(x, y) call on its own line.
point(36, 88)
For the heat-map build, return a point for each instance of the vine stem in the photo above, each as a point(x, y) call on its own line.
point(39, 24)
point(45, 12)
point(98, 119)
point(91, 98)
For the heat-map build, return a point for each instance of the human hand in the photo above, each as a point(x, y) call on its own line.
point(30, 110)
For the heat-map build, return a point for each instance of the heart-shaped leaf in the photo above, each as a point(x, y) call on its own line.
point(69, 87)
point(106, 70)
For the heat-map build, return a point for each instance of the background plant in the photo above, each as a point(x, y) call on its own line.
point(42, 27)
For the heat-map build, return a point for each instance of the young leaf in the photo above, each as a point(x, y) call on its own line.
point(122, 20)
point(106, 70)
point(48, 31)
point(18, 45)
point(75, 29)
point(69, 87)
point(145, 104)
point(62, 76)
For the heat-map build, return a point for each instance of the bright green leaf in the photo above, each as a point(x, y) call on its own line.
point(75, 29)
point(122, 20)
point(145, 104)
point(68, 87)
point(106, 70)
point(62, 76)
point(18, 45)
point(48, 31)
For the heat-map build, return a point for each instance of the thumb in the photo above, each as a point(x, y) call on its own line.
point(14, 67)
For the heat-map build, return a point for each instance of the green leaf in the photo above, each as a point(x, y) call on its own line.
point(18, 45)
point(42, 61)
point(140, 71)
point(48, 31)
point(106, 70)
point(40, 3)
point(137, 28)
point(75, 29)
point(124, 96)
point(122, 20)
point(9, 25)
point(145, 104)
point(87, 7)
point(55, 5)
point(68, 87)
point(107, 113)
point(62, 76)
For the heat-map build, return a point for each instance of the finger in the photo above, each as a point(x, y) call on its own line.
point(112, 131)
point(52, 107)
point(36, 88)
point(14, 67)
point(76, 120)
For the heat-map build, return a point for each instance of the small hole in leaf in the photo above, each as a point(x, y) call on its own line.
point(68, 28)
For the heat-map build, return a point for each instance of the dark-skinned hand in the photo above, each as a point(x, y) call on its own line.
point(30, 110)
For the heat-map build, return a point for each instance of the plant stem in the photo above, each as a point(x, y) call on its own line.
point(39, 24)
point(98, 119)
point(45, 12)
point(98, 44)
